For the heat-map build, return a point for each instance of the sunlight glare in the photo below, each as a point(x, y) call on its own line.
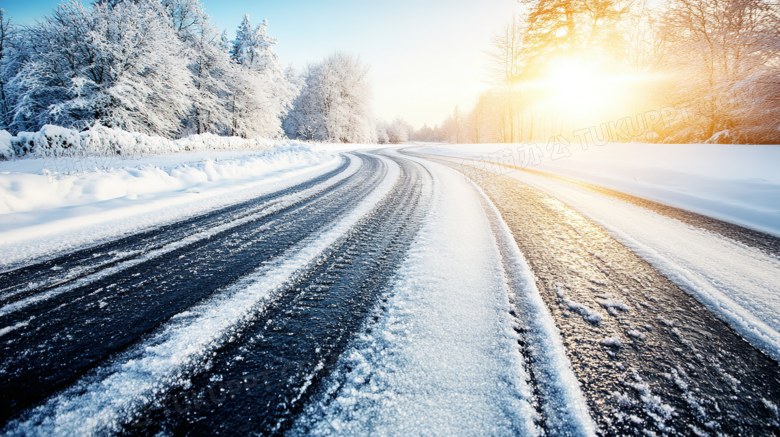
point(575, 85)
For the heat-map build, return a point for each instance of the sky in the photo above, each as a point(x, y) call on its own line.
point(426, 56)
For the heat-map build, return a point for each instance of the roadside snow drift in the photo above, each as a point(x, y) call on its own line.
point(736, 183)
point(41, 214)
point(24, 188)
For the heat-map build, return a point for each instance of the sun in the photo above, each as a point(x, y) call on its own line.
point(575, 85)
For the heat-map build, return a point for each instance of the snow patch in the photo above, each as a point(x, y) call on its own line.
point(654, 406)
point(611, 304)
point(636, 334)
point(588, 314)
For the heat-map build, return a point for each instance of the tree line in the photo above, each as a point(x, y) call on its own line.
point(674, 71)
point(160, 67)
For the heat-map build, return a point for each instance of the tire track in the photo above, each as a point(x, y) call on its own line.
point(21, 282)
point(57, 341)
point(259, 383)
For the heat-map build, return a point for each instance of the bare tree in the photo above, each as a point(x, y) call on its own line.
point(506, 69)
point(725, 52)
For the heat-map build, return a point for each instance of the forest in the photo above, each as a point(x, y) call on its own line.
point(161, 68)
point(564, 71)
point(593, 71)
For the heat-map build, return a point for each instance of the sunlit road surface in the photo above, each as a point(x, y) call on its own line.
point(390, 296)
point(630, 331)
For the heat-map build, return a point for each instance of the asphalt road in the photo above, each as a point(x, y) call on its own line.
point(677, 369)
point(648, 356)
point(64, 336)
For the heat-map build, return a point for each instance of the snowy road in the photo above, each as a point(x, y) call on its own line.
point(648, 354)
point(390, 296)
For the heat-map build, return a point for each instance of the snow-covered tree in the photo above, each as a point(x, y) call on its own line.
point(119, 65)
point(334, 104)
point(224, 42)
point(424, 134)
point(209, 63)
point(398, 132)
point(725, 56)
point(262, 95)
point(452, 129)
point(381, 132)
point(11, 58)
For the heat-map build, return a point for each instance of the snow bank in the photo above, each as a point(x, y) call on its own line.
point(736, 183)
point(56, 142)
point(40, 216)
point(24, 192)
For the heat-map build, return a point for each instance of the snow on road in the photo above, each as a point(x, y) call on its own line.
point(442, 358)
point(99, 403)
point(741, 285)
point(557, 384)
point(38, 218)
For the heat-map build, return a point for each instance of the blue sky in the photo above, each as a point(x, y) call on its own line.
point(426, 56)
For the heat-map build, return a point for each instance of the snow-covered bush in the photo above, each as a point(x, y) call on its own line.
point(6, 151)
point(55, 142)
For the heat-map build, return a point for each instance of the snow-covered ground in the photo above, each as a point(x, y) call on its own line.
point(735, 183)
point(39, 215)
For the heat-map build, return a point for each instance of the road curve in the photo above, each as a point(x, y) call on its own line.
point(233, 321)
point(261, 381)
point(56, 340)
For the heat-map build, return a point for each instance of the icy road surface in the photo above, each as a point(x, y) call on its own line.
point(389, 295)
